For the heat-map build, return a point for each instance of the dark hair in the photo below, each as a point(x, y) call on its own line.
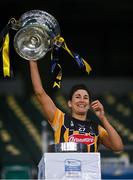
point(77, 87)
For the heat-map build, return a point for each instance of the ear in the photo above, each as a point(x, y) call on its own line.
point(69, 104)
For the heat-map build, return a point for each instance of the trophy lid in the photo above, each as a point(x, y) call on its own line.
point(41, 18)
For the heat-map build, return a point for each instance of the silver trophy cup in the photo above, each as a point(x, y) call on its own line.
point(36, 34)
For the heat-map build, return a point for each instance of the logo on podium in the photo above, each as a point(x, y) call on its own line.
point(72, 167)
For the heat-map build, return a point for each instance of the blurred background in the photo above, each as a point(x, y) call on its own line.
point(101, 32)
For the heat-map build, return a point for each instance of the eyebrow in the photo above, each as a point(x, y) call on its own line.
point(86, 95)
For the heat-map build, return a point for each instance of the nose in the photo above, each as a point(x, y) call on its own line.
point(81, 99)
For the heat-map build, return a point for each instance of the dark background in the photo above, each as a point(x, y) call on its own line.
point(100, 31)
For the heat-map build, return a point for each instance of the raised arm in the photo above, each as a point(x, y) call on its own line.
point(112, 139)
point(46, 102)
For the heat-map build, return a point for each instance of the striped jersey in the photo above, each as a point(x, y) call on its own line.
point(69, 129)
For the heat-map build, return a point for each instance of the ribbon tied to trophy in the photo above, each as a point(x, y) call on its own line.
point(38, 32)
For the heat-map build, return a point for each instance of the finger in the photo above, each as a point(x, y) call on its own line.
point(97, 106)
point(94, 102)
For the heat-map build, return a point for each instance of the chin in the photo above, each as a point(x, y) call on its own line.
point(81, 113)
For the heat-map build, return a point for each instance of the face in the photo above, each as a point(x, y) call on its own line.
point(80, 102)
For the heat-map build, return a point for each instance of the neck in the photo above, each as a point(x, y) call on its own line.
point(81, 117)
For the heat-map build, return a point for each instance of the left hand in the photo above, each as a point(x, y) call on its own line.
point(98, 109)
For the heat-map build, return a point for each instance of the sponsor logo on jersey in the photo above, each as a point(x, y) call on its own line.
point(82, 138)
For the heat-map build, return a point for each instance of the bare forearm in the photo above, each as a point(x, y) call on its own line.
point(35, 77)
point(114, 138)
point(46, 102)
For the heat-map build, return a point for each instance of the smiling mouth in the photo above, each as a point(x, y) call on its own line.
point(81, 106)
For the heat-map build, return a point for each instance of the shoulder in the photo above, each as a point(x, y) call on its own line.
point(58, 113)
point(58, 116)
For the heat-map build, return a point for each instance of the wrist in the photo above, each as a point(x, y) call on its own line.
point(103, 117)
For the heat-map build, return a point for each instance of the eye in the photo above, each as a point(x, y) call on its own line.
point(77, 96)
point(86, 97)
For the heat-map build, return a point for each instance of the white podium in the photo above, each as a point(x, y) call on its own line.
point(69, 166)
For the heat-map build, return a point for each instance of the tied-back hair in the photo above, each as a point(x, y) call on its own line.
point(77, 87)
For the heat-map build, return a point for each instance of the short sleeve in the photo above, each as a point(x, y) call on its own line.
point(57, 120)
point(102, 132)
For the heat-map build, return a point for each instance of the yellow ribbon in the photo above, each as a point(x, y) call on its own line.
point(5, 56)
point(60, 42)
point(64, 46)
point(87, 66)
point(58, 78)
